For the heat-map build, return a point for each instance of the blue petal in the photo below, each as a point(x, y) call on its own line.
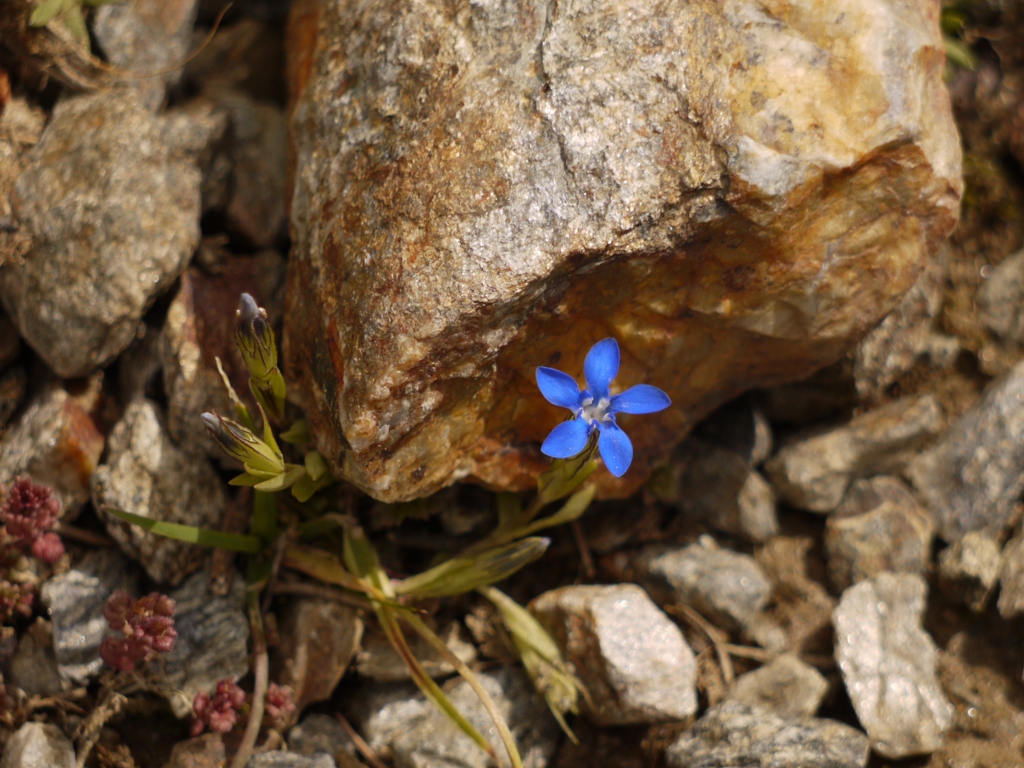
point(616, 450)
point(601, 365)
point(566, 440)
point(558, 388)
point(643, 398)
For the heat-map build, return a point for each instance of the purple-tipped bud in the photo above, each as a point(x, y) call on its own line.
point(239, 442)
point(255, 338)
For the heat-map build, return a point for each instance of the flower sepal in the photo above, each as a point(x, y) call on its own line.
point(566, 475)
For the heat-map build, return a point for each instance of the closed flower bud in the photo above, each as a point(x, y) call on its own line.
point(239, 442)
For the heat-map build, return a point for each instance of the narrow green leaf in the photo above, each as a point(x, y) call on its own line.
point(322, 566)
point(463, 574)
point(45, 12)
point(240, 408)
point(574, 508)
point(235, 542)
point(247, 479)
point(264, 515)
point(304, 489)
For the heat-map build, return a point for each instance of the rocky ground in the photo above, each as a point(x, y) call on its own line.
point(829, 572)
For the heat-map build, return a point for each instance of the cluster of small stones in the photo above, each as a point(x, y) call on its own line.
point(101, 204)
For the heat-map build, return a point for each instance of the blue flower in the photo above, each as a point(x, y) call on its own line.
point(594, 408)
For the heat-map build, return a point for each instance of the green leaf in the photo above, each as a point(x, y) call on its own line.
point(285, 480)
point(246, 479)
point(322, 566)
point(45, 12)
point(463, 574)
point(235, 542)
point(264, 516)
point(316, 466)
point(304, 489)
point(573, 508)
point(297, 433)
point(75, 23)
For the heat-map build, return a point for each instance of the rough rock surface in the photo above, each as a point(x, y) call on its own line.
point(814, 471)
point(147, 475)
point(1011, 582)
point(213, 638)
point(1001, 299)
point(75, 601)
point(484, 190)
point(319, 638)
point(717, 486)
point(969, 569)
point(33, 668)
point(323, 733)
point(878, 527)
point(206, 751)
point(38, 745)
point(786, 687)
point(972, 478)
point(290, 760)
point(378, 658)
point(112, 209)
point(888, 663)
point(724, 585)
point(737, 735)
point(419, 736)
point(632, 659)
point(147, 37)
point(57, 443)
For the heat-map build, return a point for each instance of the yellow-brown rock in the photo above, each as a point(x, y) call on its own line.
point(735, 190)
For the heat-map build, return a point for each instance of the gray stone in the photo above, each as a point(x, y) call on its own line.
point(319, 733)
point(733, 735)
point(319, 639)
point(75, 601)
point(786, 687)
point(1001, 299)
point(38, 745)
point(630, 657)
point(908, 338)
point(57, 443)
point(486, 188)
point(888, 663)
point(813, 471)
point(379, 660)
point(878, 527)
point(717, 486)
point(398, 717)
point(969, 569)
point(259, 152)
point(972, 478)
point(740, 427)
point(147, 38)
point(290, 760)
point(113, 214)
point(721, 584)
point(33, 668)
point(1011, 582)
point(147, 475)
point(213, 638)
point(199, 130)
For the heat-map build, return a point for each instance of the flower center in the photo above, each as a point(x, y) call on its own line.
point(595, 413)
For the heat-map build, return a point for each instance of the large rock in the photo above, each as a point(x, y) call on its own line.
point(972, 478)
point(112, 209)
point(479, 191)
point(888, 663)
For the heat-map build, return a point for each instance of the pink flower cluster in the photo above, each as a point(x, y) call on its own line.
point(28, 513)
point(147, 625)
point(220, 712)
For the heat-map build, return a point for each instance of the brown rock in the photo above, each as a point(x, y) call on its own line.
point(56, 443)
point(207, 751)
point(484, 190)
point(878, 527)
point(319, 638)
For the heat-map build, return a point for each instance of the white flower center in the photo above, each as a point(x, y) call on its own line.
point(596, 413)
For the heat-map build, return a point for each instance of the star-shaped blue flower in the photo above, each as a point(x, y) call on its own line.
point(594, 408)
